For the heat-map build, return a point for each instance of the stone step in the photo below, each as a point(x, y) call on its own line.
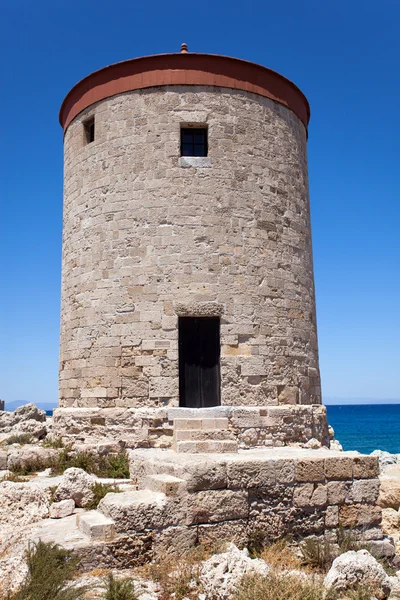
point(166, 484)
point(204, 424)
point(136, 511)
point(183, 435)
point(207, 447)
point(96, 525)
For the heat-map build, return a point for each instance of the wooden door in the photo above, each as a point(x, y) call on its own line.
point(199, 351)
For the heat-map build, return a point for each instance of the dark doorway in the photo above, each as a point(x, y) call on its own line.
point(199, 350)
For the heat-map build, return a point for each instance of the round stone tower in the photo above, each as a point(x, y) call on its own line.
point(187, 277)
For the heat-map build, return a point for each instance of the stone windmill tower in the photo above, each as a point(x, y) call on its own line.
point(188, 328)
point(187, 286)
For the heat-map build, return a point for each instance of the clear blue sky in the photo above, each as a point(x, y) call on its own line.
point(344, 55)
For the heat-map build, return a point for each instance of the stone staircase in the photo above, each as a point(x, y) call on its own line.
point(155, 505)
point(209, 435)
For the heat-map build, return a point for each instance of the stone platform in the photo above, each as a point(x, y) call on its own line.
point(178, 500)
point(280, 491)
point(151, 427)
point(185, 499)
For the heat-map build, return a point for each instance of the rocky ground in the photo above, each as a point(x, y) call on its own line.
point(45, 503)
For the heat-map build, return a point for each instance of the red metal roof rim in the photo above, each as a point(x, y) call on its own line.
point(183, 69)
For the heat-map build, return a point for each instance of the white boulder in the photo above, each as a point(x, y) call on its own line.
point(25, 419)
point(358, 569)
point(221, 574)
point(385, 459)
point(313, 443)
point(22, 503)
point(29, 412)
point(64, 508)
point(76, 484)
point(336, 445)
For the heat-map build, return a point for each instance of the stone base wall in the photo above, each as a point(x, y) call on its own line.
point(153, 427)
point(280, 492)
point(184, 500)
point(231, 498)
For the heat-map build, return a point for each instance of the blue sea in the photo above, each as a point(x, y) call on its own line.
point(366, 427)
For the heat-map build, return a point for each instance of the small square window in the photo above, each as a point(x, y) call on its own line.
point(194, 141)
point(89, 130)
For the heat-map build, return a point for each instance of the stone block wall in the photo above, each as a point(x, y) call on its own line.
point(272, 426)
point(290, 492)
point(146, 240)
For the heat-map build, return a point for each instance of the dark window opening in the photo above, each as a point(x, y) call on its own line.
point(199, 370)
point(89, 130)
point(194, 141)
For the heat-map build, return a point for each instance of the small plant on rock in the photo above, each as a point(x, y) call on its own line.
point(15, 479)
point(99, 491)
point(118, 589)
point(53, 442)
point(318, 554)
point(49, 570)
point(19, 438)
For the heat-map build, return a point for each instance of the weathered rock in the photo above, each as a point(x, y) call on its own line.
point(221, 573)
point(353, 569)
point(5, 474)
point(22, 503)
point(25, 419)
point(76, 484)
point(211, 506)
point(335, 445)
point(385, 459)
point(389, 493)
point(390, 520)
point(30, 456)
point(313, 444)
point(384, 548)
point(29, 412)
point(395, 594)
point(140, 510)
point(36, 429)
point(64, 508)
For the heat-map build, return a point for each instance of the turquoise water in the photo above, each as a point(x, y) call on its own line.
point(367, 427)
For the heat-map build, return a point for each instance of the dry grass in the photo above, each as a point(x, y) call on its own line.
point(175, 574)
point(317, 554)
point(276, 586)
point(279, 555)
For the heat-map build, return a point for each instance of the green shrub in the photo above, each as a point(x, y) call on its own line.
point(118, 589)
point(113, 466)
point(51, 442)
point(49, 570)
point(19, 438)
point(100, 490)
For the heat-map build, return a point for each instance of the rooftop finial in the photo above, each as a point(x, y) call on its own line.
point(184, 49)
